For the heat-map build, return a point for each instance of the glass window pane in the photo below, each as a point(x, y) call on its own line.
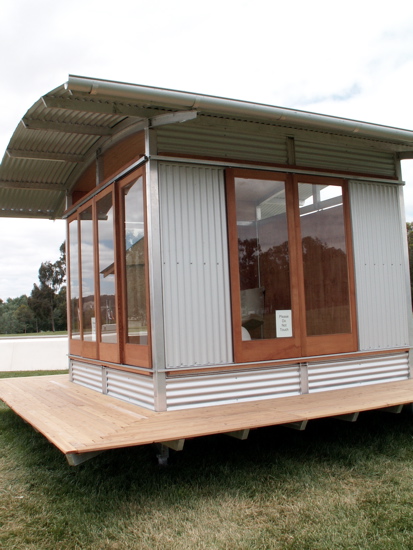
point(107, 283)
point(326, 282)
point(263, 255)
point(137, 331)
point(74, 280)
point(88, 281)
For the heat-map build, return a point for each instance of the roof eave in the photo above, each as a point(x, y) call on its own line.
point(231, 107)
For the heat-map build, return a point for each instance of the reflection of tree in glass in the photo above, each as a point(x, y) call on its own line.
point(269, 270)
point(326, 288)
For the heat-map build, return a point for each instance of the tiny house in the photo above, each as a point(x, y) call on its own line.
point(219, 251)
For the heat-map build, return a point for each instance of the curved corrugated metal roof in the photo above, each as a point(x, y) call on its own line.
point(59, 135)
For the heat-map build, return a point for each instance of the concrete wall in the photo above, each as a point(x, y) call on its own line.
point(40, 353)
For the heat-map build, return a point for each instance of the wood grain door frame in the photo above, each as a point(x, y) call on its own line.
point(132, 354)
point(330, 343)
point(260, 350)
point(299, 345)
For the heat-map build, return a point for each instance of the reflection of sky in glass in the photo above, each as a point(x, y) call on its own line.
point(74, 264)
point(106, 245)
point(86, 228)
point(134, 215)
point(87, 269)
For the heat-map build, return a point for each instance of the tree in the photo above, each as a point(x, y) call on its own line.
point(25, 317)
point(48, 299)
point(14, 317)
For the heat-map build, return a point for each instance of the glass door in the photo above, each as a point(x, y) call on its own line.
point(134, 265)
point(264, 279)
point(327, 267)
point(108, 322)
point(291, 266)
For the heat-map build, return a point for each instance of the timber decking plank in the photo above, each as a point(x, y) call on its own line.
point(78, 420)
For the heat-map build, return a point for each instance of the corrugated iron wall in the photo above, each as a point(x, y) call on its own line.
point(383, 296)
point(86, 375)
point(235, 140)
point(185, 392)
point(195, 266)
point(357, 372)
point(130, 387)
point(331, 156)
point(124, 385)
point(231, 141)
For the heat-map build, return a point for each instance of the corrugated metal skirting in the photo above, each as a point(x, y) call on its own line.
point(124, 385)
point(130, 387)
point(195, 272)
point(86, 375)
point(357, 372)
point(185, 392)
point(380, 253)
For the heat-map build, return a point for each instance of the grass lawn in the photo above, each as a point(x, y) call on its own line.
point(32, 334)
point(336, 485)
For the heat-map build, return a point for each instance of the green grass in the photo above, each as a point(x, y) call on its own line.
point(31, 334)
point(335, 486)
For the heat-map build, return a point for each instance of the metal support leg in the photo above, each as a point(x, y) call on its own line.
point(163, 454)
point(351, 417)
point(300, 426)
point(74, 459)
point(396, 409)
point(239, 434)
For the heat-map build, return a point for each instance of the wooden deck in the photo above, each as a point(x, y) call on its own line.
point(78, 420)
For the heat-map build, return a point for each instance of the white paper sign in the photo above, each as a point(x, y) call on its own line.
point(283, 322)
point(93, 320)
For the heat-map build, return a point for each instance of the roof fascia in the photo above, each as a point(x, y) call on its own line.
point(152, 96)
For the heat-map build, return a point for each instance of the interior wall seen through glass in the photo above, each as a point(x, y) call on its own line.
point(263, 254)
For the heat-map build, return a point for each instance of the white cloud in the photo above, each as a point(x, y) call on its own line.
point(353, 60)
point(24, 246)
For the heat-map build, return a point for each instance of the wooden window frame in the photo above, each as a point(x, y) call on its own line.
point(82, 347)
point(110, 351)
point(138, 355)
point(75, 344)
point(133, 354)
point(331, 343)
point(299, 345)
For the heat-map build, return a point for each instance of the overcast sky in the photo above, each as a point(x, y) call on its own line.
point(352, 59)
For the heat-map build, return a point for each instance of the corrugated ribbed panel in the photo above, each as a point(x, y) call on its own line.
point(222, 143)
point(218, 389)
point(360, 372)
point(71, 115)
point(31, 203)
point(348, 159)
point(39, 171)
point(52, 142)
point(195, 266)
point(380, 265)
point(133, 388)
point(86, 375)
